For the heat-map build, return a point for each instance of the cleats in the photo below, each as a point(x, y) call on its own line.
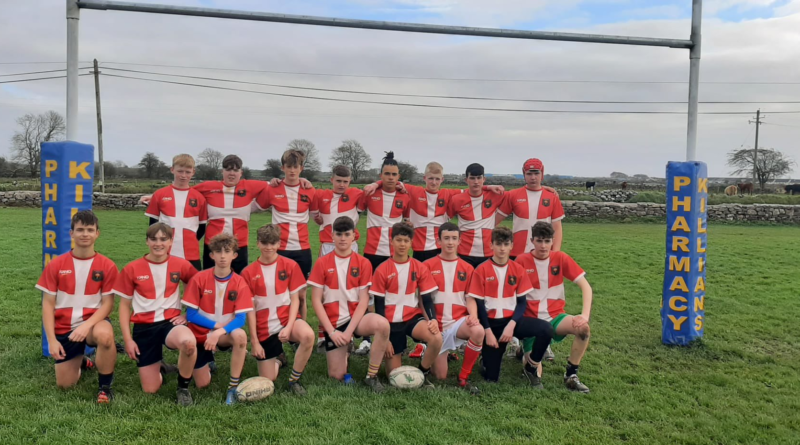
point(212, 367)
point(87, 364)
point(166, 368)
point(320, 348)
point(105, 395)
point(363, 348)
point(230, 396)
point(548, 355)
point(282, 360)
point(374, 384)
point(418, 351)
point(184, 397)
point(573, 384)
point(513, 347)
point(533, 378)
point(427, 384)
point(452, 357)
point(297, 388)
point(468, 386)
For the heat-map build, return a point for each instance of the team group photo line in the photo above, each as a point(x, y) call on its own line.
point(473, 287)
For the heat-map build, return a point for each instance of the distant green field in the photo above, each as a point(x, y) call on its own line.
point(741, 384)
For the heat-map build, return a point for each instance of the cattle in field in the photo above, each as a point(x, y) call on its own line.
point(792, 189)
point(731, 190)
point(590, 185)
point(624, 185)
point(745, 188)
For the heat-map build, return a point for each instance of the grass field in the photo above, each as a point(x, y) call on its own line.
point(741, 384)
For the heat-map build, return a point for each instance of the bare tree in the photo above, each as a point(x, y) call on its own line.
point(772, 164)
point(408, 172)
point(151, 165)
point(352, 155)
point(211, 158)
point(312, 165)
point(273, 168)
point(35, 129)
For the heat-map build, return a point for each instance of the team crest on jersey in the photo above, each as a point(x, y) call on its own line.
point(413, 276)
point(555, 270)
point(487, 203)
point(462, 276)
point(440, 202)
point(241, 193)
point(512, 280)
point(175, 277)
point(97, 275)
point(232, 295)
point(345, 198)
point(546, 202)
point(398, 204)
point(192, 202)
point(282, 275)
point(355, 272)
point(303, 198)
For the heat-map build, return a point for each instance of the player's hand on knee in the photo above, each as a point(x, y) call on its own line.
point(472, 321)
point(490, 339)
point(132, 349)
point(57, 351)
point(257, 351)
point(433, 327)
point(339, 339)
point(389, 351)
point(507, 335)
point(80, 333)
point(179, 320)
point(578, 321)
point(284, 334)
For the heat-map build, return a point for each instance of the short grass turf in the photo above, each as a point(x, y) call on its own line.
point(739, 385)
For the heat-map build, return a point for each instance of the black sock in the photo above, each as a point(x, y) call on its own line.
point(571, 369)
point(105, 379)
point(183, 382)
point(424, 370)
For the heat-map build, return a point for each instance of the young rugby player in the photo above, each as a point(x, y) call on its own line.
point(456, 312)
point(182, 208)
point(340, 283)
point(330, 204)
point(217, 302)
point(500, 287)
point(150, 298)
point(276, 282)
point(395, 285)
point(547, 269)
point(77, 299)
point(476, 217)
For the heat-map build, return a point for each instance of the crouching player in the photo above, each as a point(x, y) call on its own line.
point(546, 270)
point(276, 282)
point(456, 313)
point(394, 285)
point(217, 302)
point(149, 289)
point(500, 287)
point(340, 281)
point(78, 297)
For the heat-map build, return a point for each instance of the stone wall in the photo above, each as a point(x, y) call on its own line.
point(781, 214)
point(615, 195)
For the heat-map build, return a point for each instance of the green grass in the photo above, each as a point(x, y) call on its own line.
point(739, 385)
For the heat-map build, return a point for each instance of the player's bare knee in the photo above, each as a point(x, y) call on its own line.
point(151, 388)
point(476, 334)
point(239, 338)
point(383, 328)
point(584, 332)
point(435, 341)
point(307, 338)
point(188, 346)
point(338, 375)
point(66, 383)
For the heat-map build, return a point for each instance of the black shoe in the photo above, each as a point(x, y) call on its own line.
point(573, 384)
point(297, 388)
point(167, 369)
point(120, 348)
point(87, 364)
point(468, 386)
point(105, 395)
point(427, 384)
point(184, 397)
point(282, 360)
point(375, 384)
point(533, 378)
point(212, 367)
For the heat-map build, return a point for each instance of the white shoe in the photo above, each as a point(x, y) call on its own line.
point(548, 355)
point(320, 348)
point(513, 347)
point(363, 348)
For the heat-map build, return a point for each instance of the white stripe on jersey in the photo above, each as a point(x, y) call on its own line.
point(501, 303)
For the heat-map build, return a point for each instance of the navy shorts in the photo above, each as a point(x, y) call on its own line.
point(150, 337)
point(272, 348)
point(329, 344)
point(72, 349)
point(399, 332)
point(204, 356)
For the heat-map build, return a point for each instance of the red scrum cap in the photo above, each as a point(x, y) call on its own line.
point(533, 164)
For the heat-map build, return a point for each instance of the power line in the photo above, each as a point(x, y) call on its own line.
point(32, 72)
point(377, 93)
point(416, 105)
point(780, 125)
point(39, 78)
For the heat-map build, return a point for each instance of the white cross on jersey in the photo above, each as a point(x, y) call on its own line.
point(229, 213)
point(329, 218)
point(179, 222)
point(445, 295)
point(141, 304)
point(402, 299)
point(272, 301)
point(79, 300)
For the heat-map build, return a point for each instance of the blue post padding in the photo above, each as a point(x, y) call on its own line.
point(683, 297)
point(67, 169)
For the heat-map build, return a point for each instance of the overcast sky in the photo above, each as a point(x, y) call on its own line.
point(743, 40)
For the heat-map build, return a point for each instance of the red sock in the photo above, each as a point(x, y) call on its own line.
point(471, 354)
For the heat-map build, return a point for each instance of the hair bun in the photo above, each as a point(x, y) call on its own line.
point(389, 155)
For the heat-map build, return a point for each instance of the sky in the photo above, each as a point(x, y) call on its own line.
point(743, 41)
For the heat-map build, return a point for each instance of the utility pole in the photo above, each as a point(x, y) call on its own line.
point(755, 149)
point(96, 73)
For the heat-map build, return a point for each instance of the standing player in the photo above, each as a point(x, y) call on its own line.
point(395, 285)
point(456, 312)
point(330, 204)
point(182, 208)
point(501, 286)
point(276, 282)
point(150, 298)
point(547, 269)
point(217, 302)
point(78, 297)
point(340, 283)
point(476, 217)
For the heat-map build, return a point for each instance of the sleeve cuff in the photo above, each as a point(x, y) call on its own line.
point(45, 290)
point(477, 297)
point(191, 305)
point(579, 277)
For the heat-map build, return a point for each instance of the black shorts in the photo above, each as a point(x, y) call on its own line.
point(474, 261)
point(272, 348)
point(399, 332)
point(375, 260)
point(150, 337)
point(238, 264)
point(204, 356)
point(329, 344)
point(72, 349)
point(301, 257)
point(425, 255)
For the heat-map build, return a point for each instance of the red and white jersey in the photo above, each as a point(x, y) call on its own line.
point(331, 206)
point(78, 284)
point(229, 207)
point(272, 286)
point(476, 220)
point(216, 299)
point(499, 286)
point(547, 277)
point(398, 284)
point(383, 211)
point(183, 210)
point(290, 208)
point(154, 288)
point(452, 278)
point(528, 208)
point(427, 212)
point(341, 279)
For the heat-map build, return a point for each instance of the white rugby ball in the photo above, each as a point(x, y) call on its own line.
point(254, 389)
point(406, 377)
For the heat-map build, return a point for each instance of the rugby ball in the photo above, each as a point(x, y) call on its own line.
point(254, 389)
point(406, 377)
